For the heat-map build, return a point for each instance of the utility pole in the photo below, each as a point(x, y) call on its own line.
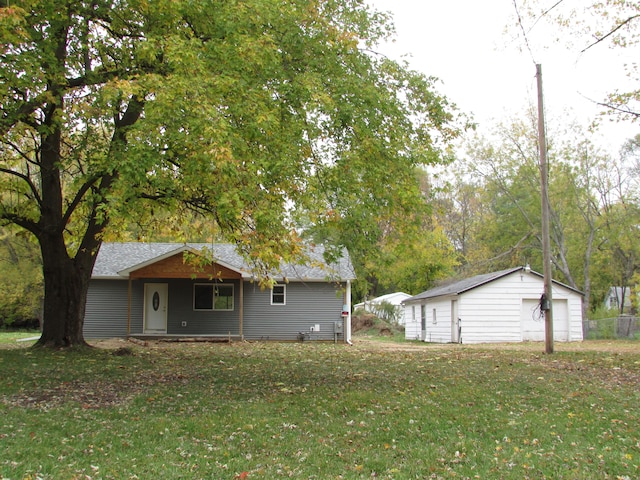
point(546, 303)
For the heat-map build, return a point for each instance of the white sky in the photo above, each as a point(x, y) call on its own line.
point(488, 71)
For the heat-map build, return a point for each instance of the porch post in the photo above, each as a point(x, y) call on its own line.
point(347, 302)
point(241, 312)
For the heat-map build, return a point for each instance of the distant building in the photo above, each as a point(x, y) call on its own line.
point(616, 296)
point(394, 299)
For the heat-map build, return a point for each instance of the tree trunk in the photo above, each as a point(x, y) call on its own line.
point(66, 281)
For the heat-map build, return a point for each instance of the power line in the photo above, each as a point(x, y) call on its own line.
point(544, 14)
point(524, 32)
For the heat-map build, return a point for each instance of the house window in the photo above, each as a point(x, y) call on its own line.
point(278, 295)
point(434, 318)
point(207, 296)
point(223, 297)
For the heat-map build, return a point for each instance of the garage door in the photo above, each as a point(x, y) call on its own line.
point(532, 321)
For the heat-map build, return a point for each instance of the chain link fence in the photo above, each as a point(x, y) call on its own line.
point(622, 327)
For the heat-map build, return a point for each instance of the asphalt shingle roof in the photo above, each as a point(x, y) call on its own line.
point(115, 259)
point(462, 286)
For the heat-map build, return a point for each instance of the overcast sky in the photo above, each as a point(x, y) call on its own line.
point(486, 69)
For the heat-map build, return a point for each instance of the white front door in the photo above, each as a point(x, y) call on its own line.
point(155, 307)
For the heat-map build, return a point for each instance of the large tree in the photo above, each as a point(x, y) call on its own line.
point(247, 110)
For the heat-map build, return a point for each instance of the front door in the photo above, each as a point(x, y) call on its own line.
point(155, 307)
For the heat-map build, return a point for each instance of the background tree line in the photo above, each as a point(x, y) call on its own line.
point(491, 209)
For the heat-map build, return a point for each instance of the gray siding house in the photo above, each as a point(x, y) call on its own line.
point(152, 290)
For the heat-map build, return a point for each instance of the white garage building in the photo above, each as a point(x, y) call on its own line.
point(502, 306)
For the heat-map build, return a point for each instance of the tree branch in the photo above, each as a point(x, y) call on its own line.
point(23, 222)
point(509, 252)
point(93, 78)
point(21, 113)
point(78, 198)
point(19, 151)
point(26, 179)
point(626, 111)
point(602, 39)
point(130, 116)
point(91, 239)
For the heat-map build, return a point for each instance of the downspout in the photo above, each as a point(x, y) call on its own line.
point(347, 302)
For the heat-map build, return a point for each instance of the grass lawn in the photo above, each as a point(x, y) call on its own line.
point(307, 410)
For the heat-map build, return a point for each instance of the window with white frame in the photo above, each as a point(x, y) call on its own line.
point(279, 295)
point(209, 296)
